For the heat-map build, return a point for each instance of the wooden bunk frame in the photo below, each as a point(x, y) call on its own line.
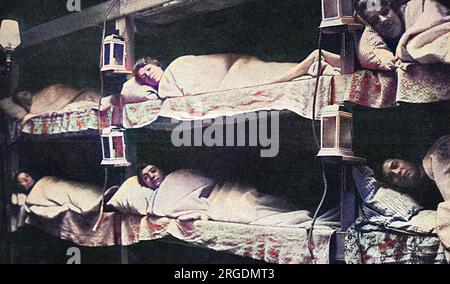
point(161, 12)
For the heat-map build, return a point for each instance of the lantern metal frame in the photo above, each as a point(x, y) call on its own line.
point(112, 135)
point(335, 111)
point(112, 65)
point(340, 19)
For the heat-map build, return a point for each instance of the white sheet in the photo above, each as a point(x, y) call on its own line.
point(179, 196)
point(52, 196)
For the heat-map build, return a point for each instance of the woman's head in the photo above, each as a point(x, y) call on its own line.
point(150, 176)
point(25, 180)
point(148, 71)
point(380, 16)
point(401, 173)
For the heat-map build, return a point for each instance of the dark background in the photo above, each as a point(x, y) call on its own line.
point(273, 30)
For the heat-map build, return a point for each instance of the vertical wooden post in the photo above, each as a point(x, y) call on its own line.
point(131, 153)
point(347, 52)
point(126, 29)
point(348, 197)
point(4, 242)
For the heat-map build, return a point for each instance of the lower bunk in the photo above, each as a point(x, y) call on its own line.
point(270, 244)
point(391, 247)
point(211, 242)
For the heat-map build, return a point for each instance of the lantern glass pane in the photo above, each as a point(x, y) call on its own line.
point(118, 146)
point(105, 145)
point(345, 134)
point(118, 54)
point(106, 53)
point(347, 8)
point(330, 9)
point(329, 132)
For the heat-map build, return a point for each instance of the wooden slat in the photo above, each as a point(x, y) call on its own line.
point(94, 16)
point(337, 251)
point(89, 17)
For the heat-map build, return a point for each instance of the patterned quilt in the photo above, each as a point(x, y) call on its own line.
point(268, 243)
point(378, 247)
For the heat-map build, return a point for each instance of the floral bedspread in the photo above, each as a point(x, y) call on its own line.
point(378, 247)
point(416, 84)
point(65, 122)
point(296, 96)
point(271, 244)
point(268, 243)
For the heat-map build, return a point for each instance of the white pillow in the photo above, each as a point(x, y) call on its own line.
point(132, 198)
point(133, 92)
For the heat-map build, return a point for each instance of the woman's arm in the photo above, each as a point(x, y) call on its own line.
point(302, 68)
point(109, 101)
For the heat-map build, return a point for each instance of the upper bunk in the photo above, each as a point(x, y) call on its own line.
point(172, 29)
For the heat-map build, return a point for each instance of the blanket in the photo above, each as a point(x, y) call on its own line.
point(437, 166)
point(192, 75)
point(188, 194)
point(52, 196)
point(427, 33)
point(421, 57)
point(61, 98)
point(425, 40)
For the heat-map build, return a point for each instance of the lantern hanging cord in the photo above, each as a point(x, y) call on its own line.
point(113, 3)
point(105, 182)
point(102, 204)
point(316, 139)
point(316, 88)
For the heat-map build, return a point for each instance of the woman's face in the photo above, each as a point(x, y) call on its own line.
point(401, 173)
point(150, 75)
point(25, 181)
point(385, 21)
point(152, 176)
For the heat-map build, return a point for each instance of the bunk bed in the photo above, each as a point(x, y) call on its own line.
point(270, 244)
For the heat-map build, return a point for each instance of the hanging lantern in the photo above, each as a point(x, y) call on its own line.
point(336, 132)
point(337, 13)
point(113, 56)
point(9, 37)
point(113, 147)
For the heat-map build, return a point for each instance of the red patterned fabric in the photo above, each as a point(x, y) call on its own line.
point(372, 89)
point(418, 84)
point(390, 247)
point(64, 122)
point(268, 243)
point(296, 96)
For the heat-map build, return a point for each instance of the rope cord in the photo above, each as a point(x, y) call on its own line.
point(317, 141)
point(105, 182)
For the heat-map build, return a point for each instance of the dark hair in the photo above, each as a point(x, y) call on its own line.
point(139, 169)
point(361, 6)
point(141, 63)
point(32, 173)
point(29, 172)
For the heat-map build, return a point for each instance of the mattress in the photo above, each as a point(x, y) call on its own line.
point(268, 243)
point(67, 122)
point(296, 96)
point(420, 84)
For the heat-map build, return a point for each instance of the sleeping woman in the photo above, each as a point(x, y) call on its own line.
point(188, 194)
point(190, 75)
point(403, 31)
